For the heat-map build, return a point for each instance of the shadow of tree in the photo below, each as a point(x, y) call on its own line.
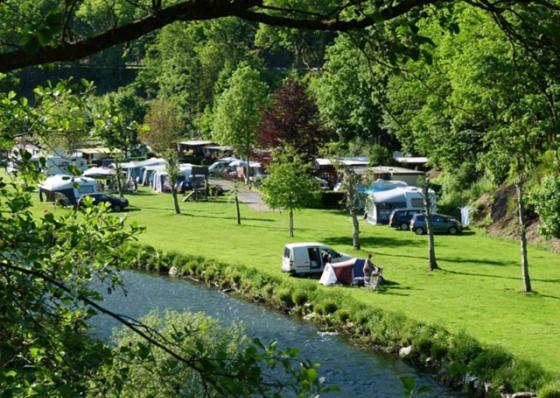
point(374, 241)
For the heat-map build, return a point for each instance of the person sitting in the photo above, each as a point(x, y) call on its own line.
point(370, 270)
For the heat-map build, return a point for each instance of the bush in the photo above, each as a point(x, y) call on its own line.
point(300, 297)
point(330, 307)
point(463, 348)
point(489, 361)
point(285, 296)
point(546, 200)
point(550, 391)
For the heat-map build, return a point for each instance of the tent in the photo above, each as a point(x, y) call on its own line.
point(135, 169)
point(100, 172)
point(148, 173)
point(71, 188)
point(343, 272)
point(379, 205)
point(159, 180)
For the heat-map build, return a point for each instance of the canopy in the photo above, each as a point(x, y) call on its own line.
point(100, 172)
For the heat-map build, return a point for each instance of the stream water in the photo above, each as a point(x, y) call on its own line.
point(356, 372)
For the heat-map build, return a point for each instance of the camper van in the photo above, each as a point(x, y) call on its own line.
point(309, 257)
point(380, 205)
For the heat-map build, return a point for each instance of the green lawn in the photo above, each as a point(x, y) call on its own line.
point(478, 290)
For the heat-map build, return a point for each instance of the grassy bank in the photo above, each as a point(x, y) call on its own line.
point(477, 292)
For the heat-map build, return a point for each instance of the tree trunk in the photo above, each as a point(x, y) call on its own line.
point(237, 209)
point(356, 235)
point(247, 180)
point(523, 236)
point(118, 175)
point(432, 261)
point(291, 223)
point(175, 200)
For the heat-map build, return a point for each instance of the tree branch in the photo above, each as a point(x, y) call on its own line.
point(196, 10)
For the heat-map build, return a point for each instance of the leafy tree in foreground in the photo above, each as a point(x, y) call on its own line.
point(238, 112)
point(289, 185)
point(292, 118)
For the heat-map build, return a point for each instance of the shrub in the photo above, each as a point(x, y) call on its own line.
point(463, 348)
point(300, 297)
point(342, 315)
point(550, 391)
point(330, 307)
point(488, 361)
point(546, 199)
point(285, 296)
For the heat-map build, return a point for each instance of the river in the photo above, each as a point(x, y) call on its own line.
point(358, 373)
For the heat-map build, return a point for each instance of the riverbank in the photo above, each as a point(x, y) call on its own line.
point(477, 293)
point(458, 361)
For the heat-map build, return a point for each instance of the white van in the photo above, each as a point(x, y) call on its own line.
point(309, 257)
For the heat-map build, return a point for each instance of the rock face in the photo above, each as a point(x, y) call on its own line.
point(405, 351)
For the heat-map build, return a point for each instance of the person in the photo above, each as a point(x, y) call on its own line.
point(370, 269)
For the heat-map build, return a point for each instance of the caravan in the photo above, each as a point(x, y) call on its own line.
point(65, 189)
point(380, 205)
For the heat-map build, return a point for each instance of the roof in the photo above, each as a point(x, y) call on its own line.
point(412, 159)
point(219, 147)
point(395, 170)
point(64, 181)
point(346, 161)
point(197, 142)
point(304, 244)
point(97, 150)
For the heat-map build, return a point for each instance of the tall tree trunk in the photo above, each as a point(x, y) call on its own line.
point(247, 179)
point(119, 175)
point(523, 235)
point(175, 199)
point(237, 209)
point(291, 223)
point(356, 235)
point(432, 261)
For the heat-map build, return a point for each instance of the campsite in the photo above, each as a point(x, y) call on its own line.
point(241, 198)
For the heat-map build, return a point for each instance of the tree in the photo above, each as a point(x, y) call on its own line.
point(238, 112)
point(162, 135)
point(62, 114)
point(293, 119)
point(29, 41)
point(427, 199)
point(289, 185)
point(354, 200)
point(163, 127)
point(234, 196)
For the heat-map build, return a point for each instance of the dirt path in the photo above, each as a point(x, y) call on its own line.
point(252, 198)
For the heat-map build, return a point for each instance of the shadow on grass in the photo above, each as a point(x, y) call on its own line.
point(375, 241)
point(234, 218)
point(449, 259)
point(501, 277)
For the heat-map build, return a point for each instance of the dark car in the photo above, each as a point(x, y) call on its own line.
point(400, 218)
point(441, 224)
point(116, 204)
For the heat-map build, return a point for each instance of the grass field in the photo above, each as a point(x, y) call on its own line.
point(478, 290)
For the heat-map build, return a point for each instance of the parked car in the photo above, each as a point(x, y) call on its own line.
point(116, 204)
point(400, 218)
point(309, 257)
point(441, 224)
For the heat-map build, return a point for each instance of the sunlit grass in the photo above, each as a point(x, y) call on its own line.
point(478, 290)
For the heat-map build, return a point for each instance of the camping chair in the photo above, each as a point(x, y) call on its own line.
point(375, 280)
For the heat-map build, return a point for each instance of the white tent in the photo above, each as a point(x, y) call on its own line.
point(148, 173)
point(135, 169)
point(379, 205)
point(71, 187)
point(100, 172)
point(160, 177)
